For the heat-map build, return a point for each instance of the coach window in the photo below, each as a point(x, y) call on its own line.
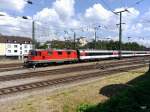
point(102, 53)
point(59, 53)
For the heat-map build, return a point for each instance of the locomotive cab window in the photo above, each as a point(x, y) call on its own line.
point(50, 52)
point(59, 52)
point(39, 53)
point(68, 52)
point(33, 53)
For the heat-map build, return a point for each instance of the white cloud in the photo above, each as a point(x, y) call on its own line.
point(64, 8)
point(48, 15)
point(98, 14)
point(146, 15)
point(17, 5)
point(137, 28)
point(14, 25)
point(61, 15)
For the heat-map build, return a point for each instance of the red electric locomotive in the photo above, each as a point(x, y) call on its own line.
point(36, 57)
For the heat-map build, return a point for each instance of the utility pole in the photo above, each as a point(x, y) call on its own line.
point(74, 40)
point(33, 34)
point(95, 35)
point(120, 31)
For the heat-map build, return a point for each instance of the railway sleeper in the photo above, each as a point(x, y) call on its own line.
point(45, 84)
point(40, 84)
point(33, 85)
point(14, 89)
point(22, 88)
point(6, 91)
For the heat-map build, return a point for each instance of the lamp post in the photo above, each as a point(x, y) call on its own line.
point(33, 32)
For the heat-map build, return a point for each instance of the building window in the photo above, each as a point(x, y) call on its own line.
point(15, 51)
point(9, 46)
point(8, 41)
point(25, 51)
point(15, 46)
point(14, 41)
point(9, 51)
point(25, 46)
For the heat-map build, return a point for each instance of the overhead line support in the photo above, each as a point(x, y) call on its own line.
point(120, 31)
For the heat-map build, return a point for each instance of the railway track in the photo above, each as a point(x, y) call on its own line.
point(10, 65)
point(11, 69)
point(70, 79)
point(19, 66)
point(69, 70)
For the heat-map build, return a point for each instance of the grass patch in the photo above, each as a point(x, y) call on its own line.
point(68, 99)
point(135, 98)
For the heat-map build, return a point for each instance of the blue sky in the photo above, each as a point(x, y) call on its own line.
point(56, 16)
point(81, 5)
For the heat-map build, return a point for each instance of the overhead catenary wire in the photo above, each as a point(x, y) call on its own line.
point(136, 3)
point(108, 7)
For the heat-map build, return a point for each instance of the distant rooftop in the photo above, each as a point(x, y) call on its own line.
point(15, 39)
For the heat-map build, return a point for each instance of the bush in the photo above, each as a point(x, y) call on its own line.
point(84, 107)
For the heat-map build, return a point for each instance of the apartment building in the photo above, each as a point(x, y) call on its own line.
point(12, 46)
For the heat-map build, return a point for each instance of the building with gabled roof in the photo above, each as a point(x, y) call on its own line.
point(13, 46)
